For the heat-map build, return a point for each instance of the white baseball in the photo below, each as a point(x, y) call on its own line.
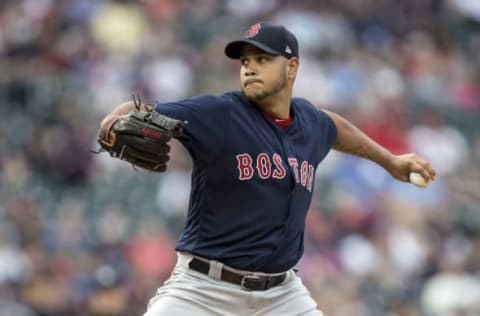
point(418, 180)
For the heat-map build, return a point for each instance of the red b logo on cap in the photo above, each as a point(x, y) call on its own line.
point(253, 30)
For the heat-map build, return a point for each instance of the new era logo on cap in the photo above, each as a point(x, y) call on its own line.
point(271, 38)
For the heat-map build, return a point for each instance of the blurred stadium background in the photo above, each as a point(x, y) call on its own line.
point(83, 234)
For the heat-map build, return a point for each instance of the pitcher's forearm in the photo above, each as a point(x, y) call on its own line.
point(352, 140)
point(123, 108)
point(119, 110)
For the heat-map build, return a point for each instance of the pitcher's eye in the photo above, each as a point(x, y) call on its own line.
point(265, 58)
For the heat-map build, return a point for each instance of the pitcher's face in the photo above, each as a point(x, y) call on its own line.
point(261, 74)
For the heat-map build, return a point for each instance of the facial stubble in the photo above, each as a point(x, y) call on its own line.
point(278, 86)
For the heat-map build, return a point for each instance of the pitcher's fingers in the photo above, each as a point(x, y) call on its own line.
point(419, 167)
point(430, 172)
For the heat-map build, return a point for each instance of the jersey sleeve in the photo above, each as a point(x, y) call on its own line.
point(321, 125)
point(207, 120)
point(330, 129)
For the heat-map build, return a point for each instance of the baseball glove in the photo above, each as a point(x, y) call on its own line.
point(141, 138)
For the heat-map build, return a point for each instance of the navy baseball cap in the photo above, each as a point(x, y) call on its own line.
point(271, 38)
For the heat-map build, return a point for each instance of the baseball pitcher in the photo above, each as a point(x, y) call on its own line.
point(254, 152)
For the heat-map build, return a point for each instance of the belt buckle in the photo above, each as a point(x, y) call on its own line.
point(247, 277)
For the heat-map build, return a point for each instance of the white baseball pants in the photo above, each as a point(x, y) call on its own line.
point(191, 293)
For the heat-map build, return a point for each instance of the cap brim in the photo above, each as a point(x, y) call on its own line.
point(233, 49)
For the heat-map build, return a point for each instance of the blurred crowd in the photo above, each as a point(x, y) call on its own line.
point(84, 234)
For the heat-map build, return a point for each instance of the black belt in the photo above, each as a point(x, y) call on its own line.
point(246, 282)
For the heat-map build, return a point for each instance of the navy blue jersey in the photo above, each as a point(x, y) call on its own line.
point(252, 181)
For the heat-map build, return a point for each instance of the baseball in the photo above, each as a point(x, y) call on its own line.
point(418, 180)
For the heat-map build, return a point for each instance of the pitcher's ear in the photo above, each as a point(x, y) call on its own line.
point(293, 64)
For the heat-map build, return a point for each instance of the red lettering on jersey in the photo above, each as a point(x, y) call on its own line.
point(244, 166)
point(305, 176)
point(279, 172)
point(304, 173)
point(294, 164)
point(264, 166)
point(311, 175)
